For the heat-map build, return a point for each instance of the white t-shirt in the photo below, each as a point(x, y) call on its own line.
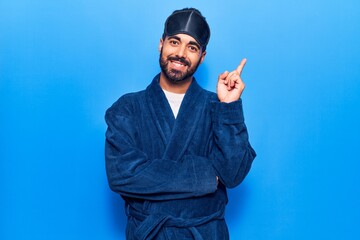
point(174, 100)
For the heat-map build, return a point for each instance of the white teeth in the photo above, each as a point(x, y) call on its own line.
point(178, 64)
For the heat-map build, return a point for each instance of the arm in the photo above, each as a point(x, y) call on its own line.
point(232, 152)
point(132, 173)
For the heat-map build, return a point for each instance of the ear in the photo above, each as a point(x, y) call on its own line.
point(202, 56)
point(161, 44)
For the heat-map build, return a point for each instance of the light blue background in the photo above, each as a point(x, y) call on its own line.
point(63, 63)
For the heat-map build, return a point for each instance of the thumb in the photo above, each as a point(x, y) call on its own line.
point(223, 75)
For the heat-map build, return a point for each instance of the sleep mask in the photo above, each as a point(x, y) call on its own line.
point(188, 21)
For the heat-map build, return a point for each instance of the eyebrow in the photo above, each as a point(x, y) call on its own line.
point(195, 43)
point(191, 42)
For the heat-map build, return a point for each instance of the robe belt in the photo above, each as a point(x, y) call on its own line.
point(152, 223)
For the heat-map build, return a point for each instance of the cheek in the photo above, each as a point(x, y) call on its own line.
point(165, 54)
point(167, 50)
point(195, 59)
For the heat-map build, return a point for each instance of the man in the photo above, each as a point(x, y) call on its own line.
point(173, 149)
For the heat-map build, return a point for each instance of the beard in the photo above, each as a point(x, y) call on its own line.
point(174, 75)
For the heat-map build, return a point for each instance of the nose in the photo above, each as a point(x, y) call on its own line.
point(181, 52)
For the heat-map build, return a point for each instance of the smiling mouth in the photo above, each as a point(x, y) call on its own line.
point(178, 63)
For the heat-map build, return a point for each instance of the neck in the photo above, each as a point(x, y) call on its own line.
point(179, 87)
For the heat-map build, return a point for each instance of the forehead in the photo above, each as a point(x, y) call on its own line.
point(184, 38)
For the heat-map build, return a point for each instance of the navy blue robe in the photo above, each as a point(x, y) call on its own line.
point(165, 168)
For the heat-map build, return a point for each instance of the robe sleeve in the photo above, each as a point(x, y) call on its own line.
point(132, 173)
point(231, 153)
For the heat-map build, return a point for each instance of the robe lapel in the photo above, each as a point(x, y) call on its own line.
point(160, 110)
point(186, 122)
point(176, 135)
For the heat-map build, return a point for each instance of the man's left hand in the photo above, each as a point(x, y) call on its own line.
point(230, 86)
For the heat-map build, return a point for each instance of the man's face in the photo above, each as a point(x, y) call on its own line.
point(180, 56)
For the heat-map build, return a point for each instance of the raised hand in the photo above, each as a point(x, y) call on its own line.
point(230, 86)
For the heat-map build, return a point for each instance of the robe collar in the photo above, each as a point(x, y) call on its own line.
point(175, 134)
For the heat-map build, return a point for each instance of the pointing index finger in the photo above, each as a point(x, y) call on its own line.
point(241, 66)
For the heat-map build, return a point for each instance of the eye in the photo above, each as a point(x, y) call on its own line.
point(174, 42)
point(193, 48)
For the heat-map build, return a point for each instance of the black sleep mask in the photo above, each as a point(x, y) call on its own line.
point(190, 22)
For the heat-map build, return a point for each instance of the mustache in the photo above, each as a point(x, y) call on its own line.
point(179, 59)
